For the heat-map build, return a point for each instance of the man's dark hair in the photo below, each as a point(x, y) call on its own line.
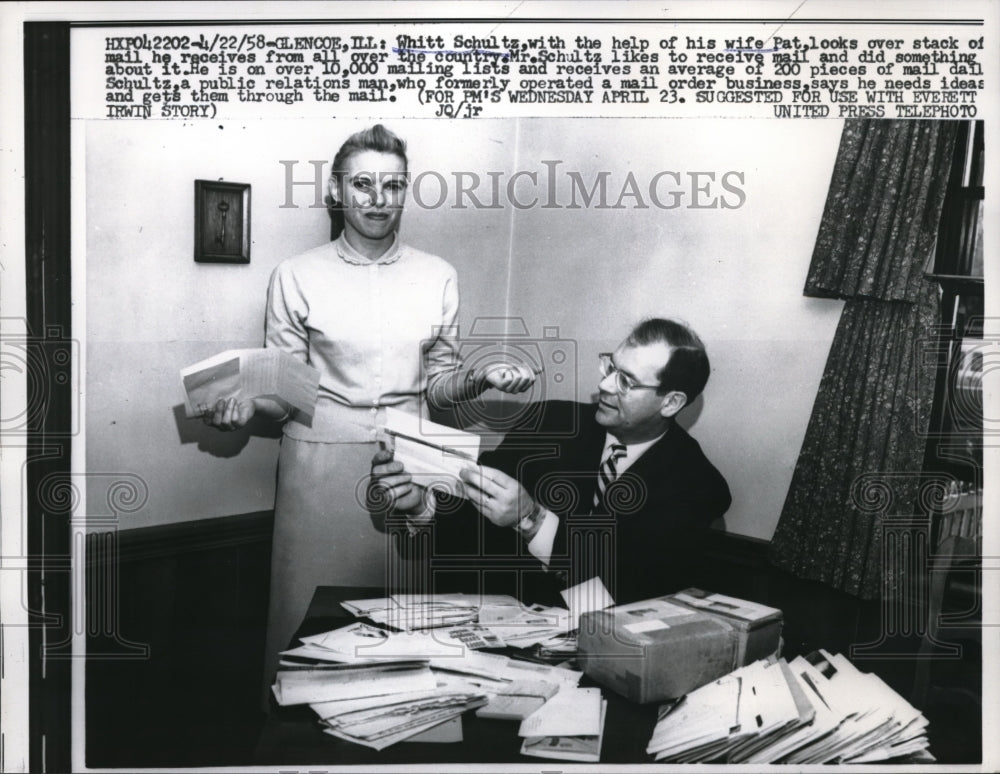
point(687, 370)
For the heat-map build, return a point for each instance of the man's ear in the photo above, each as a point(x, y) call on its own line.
point(672, 402)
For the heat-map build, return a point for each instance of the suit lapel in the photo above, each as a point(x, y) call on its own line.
point(660, 455)
point(650, 468)
point(592, 442)
point(579, 458)
point(592, 438)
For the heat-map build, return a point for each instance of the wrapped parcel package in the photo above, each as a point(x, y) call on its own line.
point(665, 647)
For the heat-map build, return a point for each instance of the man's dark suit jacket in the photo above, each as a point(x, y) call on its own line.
point(647, 545)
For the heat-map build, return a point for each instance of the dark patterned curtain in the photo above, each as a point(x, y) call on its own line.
point(873, 406)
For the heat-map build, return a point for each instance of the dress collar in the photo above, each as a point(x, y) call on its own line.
point(350, 255)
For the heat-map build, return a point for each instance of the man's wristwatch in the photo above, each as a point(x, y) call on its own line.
point(529, 523)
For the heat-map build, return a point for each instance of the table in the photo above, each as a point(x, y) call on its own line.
point(292, 735)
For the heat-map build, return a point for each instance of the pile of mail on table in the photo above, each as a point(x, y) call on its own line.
point(814, 710)
point(377, 686)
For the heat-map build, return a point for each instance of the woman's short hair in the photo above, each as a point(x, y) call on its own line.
point(688, 368)
point(374, 138)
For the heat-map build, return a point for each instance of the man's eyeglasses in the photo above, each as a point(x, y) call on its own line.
point(623, 382)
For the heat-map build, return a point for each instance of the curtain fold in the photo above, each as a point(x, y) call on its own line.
point(871, 415)
point(882, 212)
point(872, 409)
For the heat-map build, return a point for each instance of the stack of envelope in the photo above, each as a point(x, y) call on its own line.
point(525, 627)
point(377, 687)
point(489, 620)
point(498, 620)
point(379, 721)
point(361, 642)
point(416, 611)
point(304, 684)
point(813, 710)
point(362, 645)
point(421, 663)
point(379, 704)
point(570, 726)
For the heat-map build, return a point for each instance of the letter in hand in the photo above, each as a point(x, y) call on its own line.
point(510, 378)
point(391, 488)
point(497, 496)
point(229, 414)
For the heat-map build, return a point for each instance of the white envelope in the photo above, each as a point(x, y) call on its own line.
point(586, 597)
point(433, 454)
point(571, 712)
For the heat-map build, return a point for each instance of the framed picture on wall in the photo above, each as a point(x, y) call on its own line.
point(221, 222)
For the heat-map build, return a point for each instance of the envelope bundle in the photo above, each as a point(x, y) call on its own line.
point(477, 620)
point(379, 721)
point(422, 666)
point(817, 709)
point(250, 373)
point(377, 687)
point(570, 726)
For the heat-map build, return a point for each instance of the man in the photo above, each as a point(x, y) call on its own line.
point(617, 489)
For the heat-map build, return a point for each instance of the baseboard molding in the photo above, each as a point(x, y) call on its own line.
point(205, 534)
point(164, 540)
point(741, 549)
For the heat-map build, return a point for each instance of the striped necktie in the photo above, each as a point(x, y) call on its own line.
point(606, 474)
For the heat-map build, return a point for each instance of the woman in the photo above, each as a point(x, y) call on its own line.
point(378, 319)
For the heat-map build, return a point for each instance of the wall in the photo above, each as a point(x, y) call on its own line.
point(736, 275)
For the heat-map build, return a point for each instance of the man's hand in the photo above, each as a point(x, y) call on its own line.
point(391, 488)
point(497, 496)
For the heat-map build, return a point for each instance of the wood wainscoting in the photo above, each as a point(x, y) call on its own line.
point(176, 618)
